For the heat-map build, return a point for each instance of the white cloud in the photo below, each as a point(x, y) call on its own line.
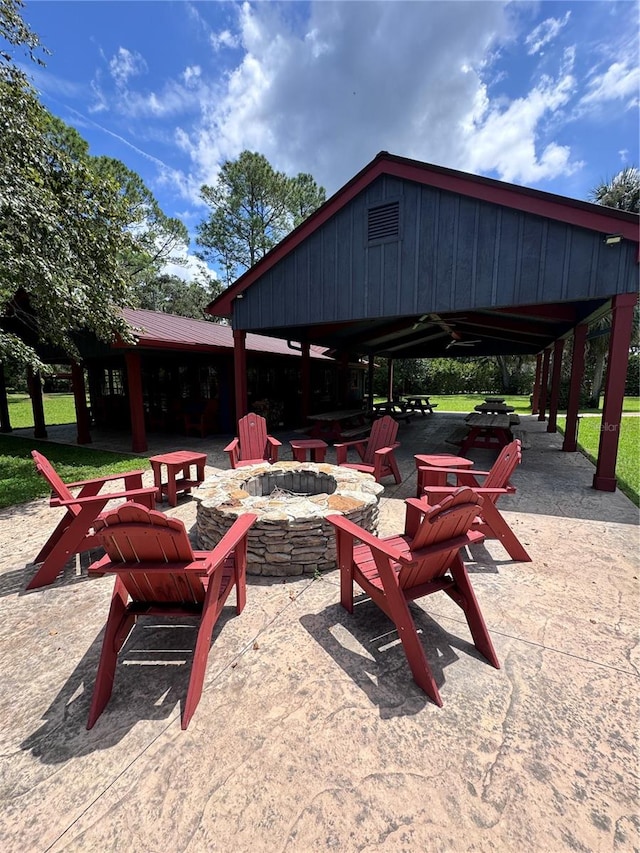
point(544, 33)
point(353, 78)
point(223, 39)
point(324, 95)
point(505, 140)
point(191, 74)
point(620, 81)
point(126, 64)
point(192, 269)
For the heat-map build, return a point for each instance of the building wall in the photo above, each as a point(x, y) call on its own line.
point(452, 253)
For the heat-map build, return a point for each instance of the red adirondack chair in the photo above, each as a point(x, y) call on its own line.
point(377, 452)
point(424, 560)
point(253, 445)
point(74, 534)
point(158, 574)
point(496, 483)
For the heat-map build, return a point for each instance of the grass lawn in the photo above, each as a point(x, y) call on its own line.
point(58, 409)
point(628, 465)
point(19, 481)
point(466, 403)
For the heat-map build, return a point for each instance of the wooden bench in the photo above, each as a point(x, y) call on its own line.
point(354, 432)
point(458, 435)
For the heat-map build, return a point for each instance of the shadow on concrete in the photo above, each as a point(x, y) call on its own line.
point(367, 647)
point(151, 681)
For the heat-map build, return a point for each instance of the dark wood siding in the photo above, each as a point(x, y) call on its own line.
point(453, 253)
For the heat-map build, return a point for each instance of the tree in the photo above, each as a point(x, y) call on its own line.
point(171, 294)
point(73, 232)
point(622, 192)
point(252, 208)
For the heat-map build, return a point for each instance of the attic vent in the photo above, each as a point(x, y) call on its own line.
point(383, 221)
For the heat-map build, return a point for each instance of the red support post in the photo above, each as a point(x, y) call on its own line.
point(544, 385)
point(536, 385)
point(136, 406)
point(305, 379)
point(35, 392)
point(570, 443)
point(80, 401)
point(619, 342)
point(240, 372)
point(556, 378)
point(390, 379)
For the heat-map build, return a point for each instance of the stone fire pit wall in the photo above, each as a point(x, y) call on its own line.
point(291, 500)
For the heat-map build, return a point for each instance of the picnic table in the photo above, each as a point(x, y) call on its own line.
point(339, 425)
point(495, 407)
point(396, 408)
point(488, 432)
point(420, 403)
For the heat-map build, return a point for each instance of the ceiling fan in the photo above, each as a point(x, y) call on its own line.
point(435, 320)
point(459, 341)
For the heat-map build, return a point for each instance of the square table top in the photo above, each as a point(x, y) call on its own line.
point(477, 419)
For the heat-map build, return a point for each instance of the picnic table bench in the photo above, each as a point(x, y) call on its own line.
point(396, 408)
point(339, 425)
point(419, 403)
point(487, 432)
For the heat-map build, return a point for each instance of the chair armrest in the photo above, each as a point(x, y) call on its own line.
point(356, 532)
point(104, 497)
point(229, 541)
point(105, 479)
point(352, 443)
point(272, 449)
point(232, 446)
point(342, 449)
point(383, 451)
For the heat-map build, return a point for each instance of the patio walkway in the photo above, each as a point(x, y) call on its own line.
point(310, 734)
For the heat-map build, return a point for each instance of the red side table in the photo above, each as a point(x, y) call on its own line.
point(315, 446)
point(179, 478)
point(440, 460)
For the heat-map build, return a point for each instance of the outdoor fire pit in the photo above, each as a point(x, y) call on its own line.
point(291, 500)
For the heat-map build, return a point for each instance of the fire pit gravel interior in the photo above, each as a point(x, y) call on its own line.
point(291, 500)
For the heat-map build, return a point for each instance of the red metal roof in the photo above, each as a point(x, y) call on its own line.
point(573, 211)
point(158, 330)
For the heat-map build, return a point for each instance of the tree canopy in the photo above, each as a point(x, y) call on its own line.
point(622, 191)
point(75, 231)
point(172, 295)
point(252, 208)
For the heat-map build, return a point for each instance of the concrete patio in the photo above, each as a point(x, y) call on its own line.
point(310, 734)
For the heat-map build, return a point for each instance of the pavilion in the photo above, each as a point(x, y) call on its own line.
point(411, 260)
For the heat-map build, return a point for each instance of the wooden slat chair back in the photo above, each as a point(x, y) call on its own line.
point(502, 469)
point(252, 432)
point(384, 432)
point(159, 574)
point(253, 444)
point(377, 452)
point(46, 470)
point(424, 560)
point(75, 533)
point(491, 485)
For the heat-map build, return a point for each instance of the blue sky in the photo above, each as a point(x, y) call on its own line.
point(541, 94)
